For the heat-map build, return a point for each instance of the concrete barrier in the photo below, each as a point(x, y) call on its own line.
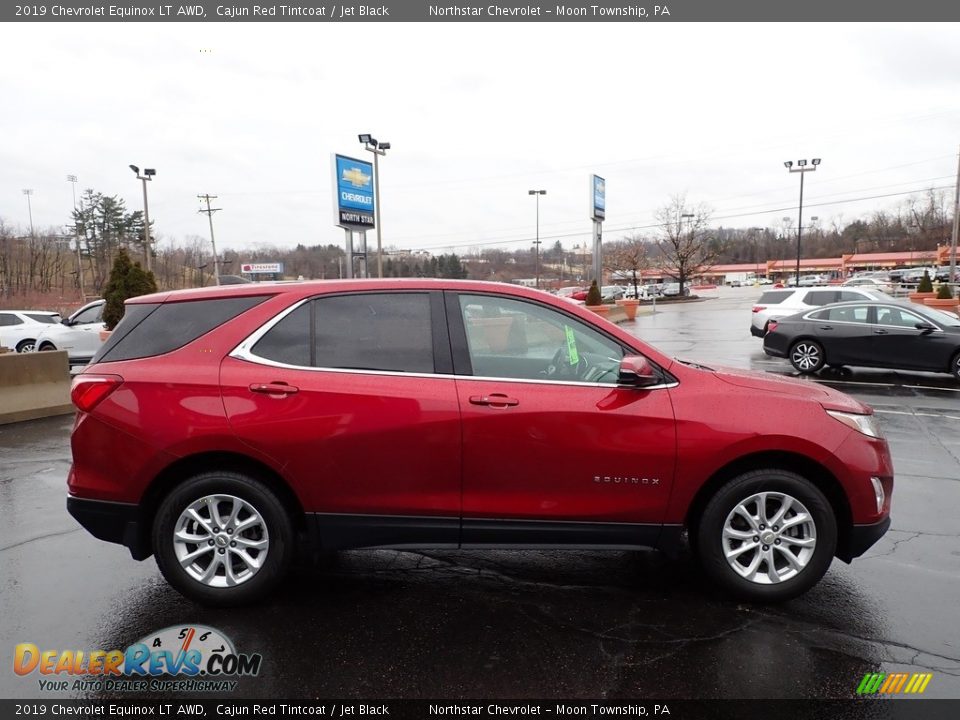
point(34, 385)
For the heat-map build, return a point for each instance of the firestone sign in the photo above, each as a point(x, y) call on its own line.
point(262, 268)
point(355, 196)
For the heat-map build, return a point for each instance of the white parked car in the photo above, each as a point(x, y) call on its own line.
point(19, 328)
point(870, 282)
point(79, 334)
point(779, 303)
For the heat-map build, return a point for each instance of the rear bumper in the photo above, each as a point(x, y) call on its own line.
point(861, 538)
point(114, 522)
point(755, 332)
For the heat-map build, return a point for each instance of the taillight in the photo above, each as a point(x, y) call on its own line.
point(89, 390)
point(758, 308)
point(771, 326)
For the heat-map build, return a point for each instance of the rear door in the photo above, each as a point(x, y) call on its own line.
point(353, 396)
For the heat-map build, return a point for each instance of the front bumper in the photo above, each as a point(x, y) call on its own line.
point(113, 522)
point(861, 538)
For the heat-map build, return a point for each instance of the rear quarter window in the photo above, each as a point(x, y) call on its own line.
point(154, 329)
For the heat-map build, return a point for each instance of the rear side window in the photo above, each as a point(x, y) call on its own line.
point(821, 297)
point(773, 297)
point(365, 331)
point(154, 329)
point(8, 319)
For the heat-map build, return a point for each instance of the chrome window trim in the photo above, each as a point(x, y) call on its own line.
point(244, 351)
point(936, 327)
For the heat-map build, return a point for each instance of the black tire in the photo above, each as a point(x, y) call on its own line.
point(44, 347)
point(779, 484)
point(257, 504)
point(27, 345)
point(955, 367)
point(806, 356)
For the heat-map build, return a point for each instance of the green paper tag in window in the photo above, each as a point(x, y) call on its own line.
point(571, 346)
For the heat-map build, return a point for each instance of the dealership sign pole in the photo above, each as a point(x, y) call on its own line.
point(354, 206)
point(598, 205)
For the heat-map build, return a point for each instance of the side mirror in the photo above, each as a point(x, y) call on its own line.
point(66, 321)
point(925, 327)
point(636, 370)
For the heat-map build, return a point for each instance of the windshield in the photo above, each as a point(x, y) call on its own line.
point(944, 319)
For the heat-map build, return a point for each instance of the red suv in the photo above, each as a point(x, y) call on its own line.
point(224, 429)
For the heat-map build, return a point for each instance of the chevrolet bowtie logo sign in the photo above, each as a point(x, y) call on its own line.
point(356, 177)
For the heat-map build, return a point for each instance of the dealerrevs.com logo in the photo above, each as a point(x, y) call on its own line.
point(180, 658)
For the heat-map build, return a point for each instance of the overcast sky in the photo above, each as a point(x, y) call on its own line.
point(477, 115)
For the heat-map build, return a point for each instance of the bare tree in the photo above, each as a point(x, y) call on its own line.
point(630, 255)
point(685, 241)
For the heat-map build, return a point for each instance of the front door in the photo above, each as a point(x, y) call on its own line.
point(554, 451)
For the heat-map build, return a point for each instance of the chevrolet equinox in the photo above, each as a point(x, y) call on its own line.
point(222, 430)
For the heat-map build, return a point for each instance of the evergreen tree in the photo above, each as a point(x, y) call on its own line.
point(127, 280)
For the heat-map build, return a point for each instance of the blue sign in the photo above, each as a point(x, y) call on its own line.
point(355, 195)
point(599, 192)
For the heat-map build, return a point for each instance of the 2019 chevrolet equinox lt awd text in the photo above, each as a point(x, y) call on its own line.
point(224, 429)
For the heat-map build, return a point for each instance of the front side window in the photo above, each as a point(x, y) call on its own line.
point(89, 315)
point(821, 297)
point(897, 317)
point(513, 339)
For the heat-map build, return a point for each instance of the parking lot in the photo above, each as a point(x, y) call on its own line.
point(534, 624)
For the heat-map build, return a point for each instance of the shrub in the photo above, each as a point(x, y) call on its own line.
point(593, 295)
point(127, 280)
point(944, 292)
point(925, 284)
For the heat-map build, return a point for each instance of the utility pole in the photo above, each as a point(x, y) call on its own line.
point(210, 211)
point(28, 193)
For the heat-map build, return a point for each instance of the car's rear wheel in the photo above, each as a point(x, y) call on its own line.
point(28, 345)
point(955, 366)
point(222, 538)
point(806, 356)
point(767, 535)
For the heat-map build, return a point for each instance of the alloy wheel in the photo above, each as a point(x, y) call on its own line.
point(221, 540)
point(769, 538)
point(806, 357)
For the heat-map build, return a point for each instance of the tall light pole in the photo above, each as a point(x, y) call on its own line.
point(377, 148)
point(72, 179)
point(680, 218)
point(536, 243)
point(956, 228)
point(148, 174)
point(801, 168)
point(28, 193)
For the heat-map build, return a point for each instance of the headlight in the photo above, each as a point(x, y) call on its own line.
point(866, 424)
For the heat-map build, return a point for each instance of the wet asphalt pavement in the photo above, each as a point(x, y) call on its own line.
point(535, 624)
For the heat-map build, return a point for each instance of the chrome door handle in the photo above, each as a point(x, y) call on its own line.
point(274, 388)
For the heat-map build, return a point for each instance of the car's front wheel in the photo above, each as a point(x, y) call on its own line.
point(767, 535)
point(806, 356)
point(222, 538)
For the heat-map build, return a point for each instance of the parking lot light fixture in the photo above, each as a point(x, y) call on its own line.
point(377, 148)
point(801, 168)
point(536, 243)
point(148, 174)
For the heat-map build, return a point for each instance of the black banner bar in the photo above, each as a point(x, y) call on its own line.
point(457, 11)
point(879, 708)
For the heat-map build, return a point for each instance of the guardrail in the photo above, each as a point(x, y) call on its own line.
point(34, 385)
